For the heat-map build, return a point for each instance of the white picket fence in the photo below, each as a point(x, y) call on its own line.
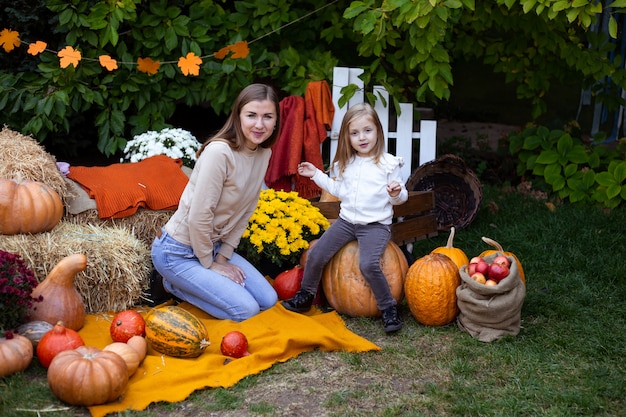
point(404, 135)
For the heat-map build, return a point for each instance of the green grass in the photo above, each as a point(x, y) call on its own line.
point(568, 360)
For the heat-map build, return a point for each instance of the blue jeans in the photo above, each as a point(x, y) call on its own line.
point(187, 279)
point(372, 240)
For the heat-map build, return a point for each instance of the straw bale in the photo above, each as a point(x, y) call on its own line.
point(118, 264)
point(23, 157)
point(143, 225)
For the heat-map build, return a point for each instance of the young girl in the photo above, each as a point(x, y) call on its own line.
point(368, 182)
point(195, 251)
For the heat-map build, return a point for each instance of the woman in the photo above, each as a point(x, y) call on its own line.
point(195, 251)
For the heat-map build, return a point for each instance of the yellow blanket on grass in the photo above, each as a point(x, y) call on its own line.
point(275, 335)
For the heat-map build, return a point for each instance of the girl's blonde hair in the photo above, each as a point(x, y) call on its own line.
point(345, 151)
point(231, 131)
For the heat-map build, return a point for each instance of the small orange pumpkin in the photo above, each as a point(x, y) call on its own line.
point(16, 353)
point(28, 207)
point(346, 289)
point(430, 289)
point(499, 250)
point(457, 255)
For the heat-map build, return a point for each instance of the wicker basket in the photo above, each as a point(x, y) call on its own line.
point(458, 192)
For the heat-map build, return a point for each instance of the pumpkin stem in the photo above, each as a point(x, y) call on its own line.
point(493, 243)
point(450, 239)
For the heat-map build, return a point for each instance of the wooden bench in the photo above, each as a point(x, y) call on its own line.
point(413, 220)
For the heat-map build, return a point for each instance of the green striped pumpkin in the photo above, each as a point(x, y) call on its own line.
point(176, 332)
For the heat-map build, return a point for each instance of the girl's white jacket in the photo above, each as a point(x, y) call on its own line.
point(362, 188)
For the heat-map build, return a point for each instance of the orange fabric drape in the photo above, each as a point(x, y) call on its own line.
point(275, 335)
point(304, 125)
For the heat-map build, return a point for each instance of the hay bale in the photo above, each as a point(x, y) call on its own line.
point(118, 264)
point(144, 224)
point(23, 157)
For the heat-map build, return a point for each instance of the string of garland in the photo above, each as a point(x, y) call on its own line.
point(188, 64)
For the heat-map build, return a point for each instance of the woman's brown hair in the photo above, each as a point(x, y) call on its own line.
point(231, 131)
point(345, 151)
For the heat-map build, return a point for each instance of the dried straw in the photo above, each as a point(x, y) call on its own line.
point(118, 264)
point(143, 225)
point(23, 157)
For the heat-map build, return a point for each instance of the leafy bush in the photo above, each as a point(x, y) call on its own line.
point(571, 168)
point(52, 101)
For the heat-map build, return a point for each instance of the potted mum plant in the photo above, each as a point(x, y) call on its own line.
point(175, 143)
point(17, 282)
point(279, 231)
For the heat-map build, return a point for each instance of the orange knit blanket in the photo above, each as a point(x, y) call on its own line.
point(119, 190)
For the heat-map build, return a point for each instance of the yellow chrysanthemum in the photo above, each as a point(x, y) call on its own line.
point(281, 228)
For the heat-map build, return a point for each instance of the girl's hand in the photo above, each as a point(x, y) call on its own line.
point(230, 271)
point(306, 169)
point(394, 188)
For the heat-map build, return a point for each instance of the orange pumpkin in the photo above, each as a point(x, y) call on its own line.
point(28, 207)
point(16, 353)
point(346, 289)
point(499, 250)
point(430, 289)
point(457, 255)
point(57, 340)
point(87, 376)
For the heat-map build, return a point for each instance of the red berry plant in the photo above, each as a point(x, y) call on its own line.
point(16, 285)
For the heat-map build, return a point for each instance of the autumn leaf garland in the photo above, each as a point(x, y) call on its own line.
point(189, 64)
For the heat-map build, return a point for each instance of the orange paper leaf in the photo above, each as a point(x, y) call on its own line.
point(37, 47)
point(107, 62)
point(9, 39)
point(221, 54)
point(190, 64)
point(240, 49)
point(69, 56)
point(148, 66)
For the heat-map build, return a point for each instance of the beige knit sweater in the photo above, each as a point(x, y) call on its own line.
point(219, 199)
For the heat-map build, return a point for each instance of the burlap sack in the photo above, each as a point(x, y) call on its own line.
point(488, 313)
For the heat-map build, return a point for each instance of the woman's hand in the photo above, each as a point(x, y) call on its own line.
point(230, 271)
point(394, 188)
point(306, 169)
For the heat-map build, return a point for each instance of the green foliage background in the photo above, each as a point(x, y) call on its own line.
point(409, 47)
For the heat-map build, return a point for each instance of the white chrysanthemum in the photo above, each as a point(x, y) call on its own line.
point(173, 142)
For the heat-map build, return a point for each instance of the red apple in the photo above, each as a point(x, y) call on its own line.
point(476, 259)
point(502, 260)
point(478, 277)
point(483, 268)
point(471, 269)
point(498, 272)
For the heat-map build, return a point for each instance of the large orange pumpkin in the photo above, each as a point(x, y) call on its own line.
point(430, 289)
point(28, 207)
point(498, 250)
point(346, 289)
point(87, 376)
